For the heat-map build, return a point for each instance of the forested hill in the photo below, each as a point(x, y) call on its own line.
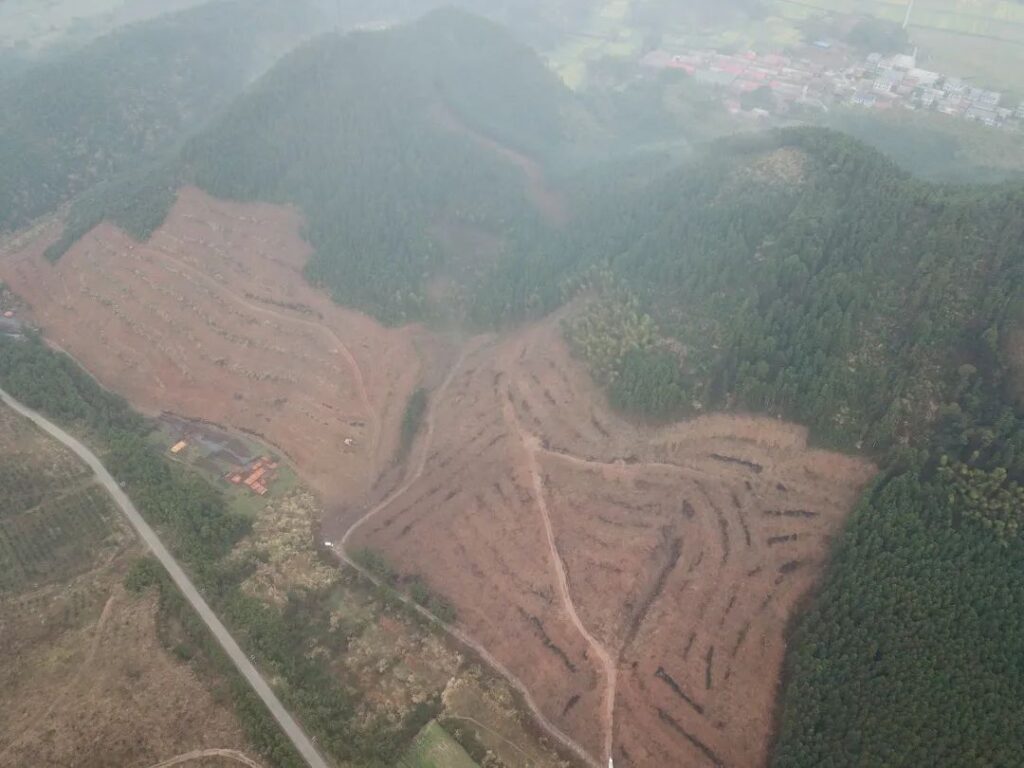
point(807, 276)
point(800, 273)
point(391, 142)
point(83, 118)
point(383, 137)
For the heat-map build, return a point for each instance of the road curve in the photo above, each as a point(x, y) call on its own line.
point(288, 724)
point(341, 551)
point(199, 754)
point(531, 444)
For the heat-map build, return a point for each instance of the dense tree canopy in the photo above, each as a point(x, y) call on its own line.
point(913, 653)
point(384, 140)
point(135, 94)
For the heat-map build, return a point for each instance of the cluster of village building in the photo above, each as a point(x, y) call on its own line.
point(877, 82)
point(210, 448)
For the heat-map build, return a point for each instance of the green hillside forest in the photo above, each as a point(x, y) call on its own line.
point(794, 272)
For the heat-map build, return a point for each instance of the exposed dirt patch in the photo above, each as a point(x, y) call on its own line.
point(636, 580)
point(684, 549)
point(213, 319)
point(389, 656)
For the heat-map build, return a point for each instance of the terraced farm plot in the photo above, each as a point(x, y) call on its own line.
point(435, 748)
point(637, 580)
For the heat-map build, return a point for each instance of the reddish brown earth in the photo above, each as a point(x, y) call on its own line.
point(684, 550)
point(636, 580)
point(212, 319)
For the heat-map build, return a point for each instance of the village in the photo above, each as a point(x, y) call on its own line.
point(786, 83)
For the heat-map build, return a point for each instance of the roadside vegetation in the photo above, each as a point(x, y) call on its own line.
point(412, 420)
point(417, 588)
point(340, 617)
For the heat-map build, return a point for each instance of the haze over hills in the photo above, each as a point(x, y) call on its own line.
point(126, 98)
point(598, 488)
point(386, 139)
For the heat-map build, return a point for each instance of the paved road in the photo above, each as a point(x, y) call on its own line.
point(148, 535)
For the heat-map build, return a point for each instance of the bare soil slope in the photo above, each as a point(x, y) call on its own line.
point(212, 319)
point(683, 549)
point(637, 580)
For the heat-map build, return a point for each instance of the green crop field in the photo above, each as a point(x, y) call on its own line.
point(435, 748)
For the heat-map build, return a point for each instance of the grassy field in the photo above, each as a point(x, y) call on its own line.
point(435, 748)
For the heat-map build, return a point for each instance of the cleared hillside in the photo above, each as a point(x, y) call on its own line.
point(803, 275)
point(395, 145)
point(793, 274)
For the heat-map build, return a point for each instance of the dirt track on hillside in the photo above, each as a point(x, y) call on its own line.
point(212, 319)
point(570, 540)
point(637, 581)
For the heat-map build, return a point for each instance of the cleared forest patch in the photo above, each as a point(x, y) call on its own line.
point(680, 555)
point(212, 319)
point(636, 580)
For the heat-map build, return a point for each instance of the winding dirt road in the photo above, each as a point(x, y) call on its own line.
point(342, 552)
point(288, 724)
point(531, 444)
